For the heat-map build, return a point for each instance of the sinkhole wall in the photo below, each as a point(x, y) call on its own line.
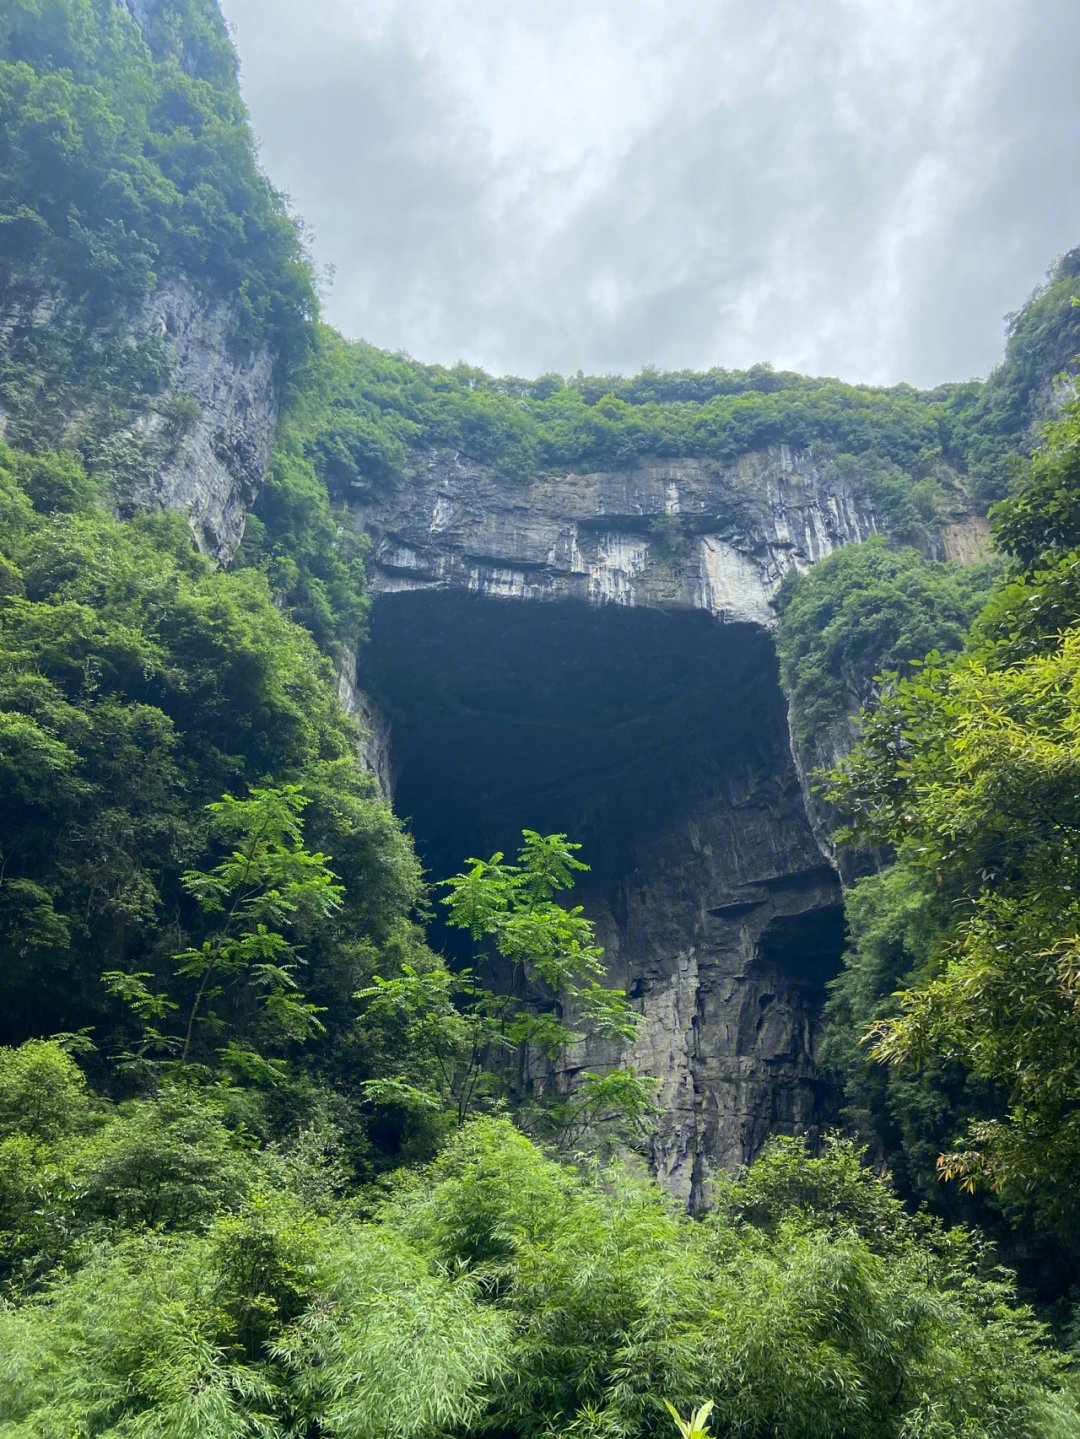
point(593, 654)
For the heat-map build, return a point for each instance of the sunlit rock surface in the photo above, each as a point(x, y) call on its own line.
point(685, 534)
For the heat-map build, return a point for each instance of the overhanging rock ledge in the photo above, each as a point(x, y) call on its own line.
point(628, 695)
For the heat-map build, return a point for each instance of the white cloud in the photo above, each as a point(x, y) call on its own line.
point(860, 187)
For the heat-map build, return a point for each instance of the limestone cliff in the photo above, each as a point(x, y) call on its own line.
point(198, 439)
point(591, 653)
point(674, 533)
point(211, 426)
point(131, 329)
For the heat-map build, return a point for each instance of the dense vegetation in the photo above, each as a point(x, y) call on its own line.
point(213, 1288)
point(964, 967)
point(901, 447)
point(138, 686)
point(192, 1248)
point(866, 610)
point(257, 1170)
point(125, 161)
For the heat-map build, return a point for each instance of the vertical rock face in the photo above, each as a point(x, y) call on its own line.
point(166, 397)
point(211, 428)
point(196, 439)
point(593, 654)
point(688, 534)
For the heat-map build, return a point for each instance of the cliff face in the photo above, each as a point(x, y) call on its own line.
point(116, 338)
point(198, 436)
point(683, 534)
point(591, 653)
point(211, 426)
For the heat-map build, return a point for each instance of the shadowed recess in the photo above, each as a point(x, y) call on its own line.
point(631, 730)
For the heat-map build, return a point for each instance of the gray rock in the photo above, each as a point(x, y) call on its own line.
point(213, 424)
point(683, 533)
point(713, 886)
point(202, 443)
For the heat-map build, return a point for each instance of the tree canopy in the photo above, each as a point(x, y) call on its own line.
point(968, 769)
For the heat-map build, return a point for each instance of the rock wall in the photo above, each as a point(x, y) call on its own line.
point(669, 533)
point(592, 653)
point(199, 441)
point(211, 428)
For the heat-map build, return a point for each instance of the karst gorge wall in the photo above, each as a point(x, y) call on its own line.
point(568, 647)
point(593, 654)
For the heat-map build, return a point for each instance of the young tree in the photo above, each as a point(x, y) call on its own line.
point(236, 994)
point(463, 1045)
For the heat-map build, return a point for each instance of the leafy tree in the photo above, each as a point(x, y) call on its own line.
point(1042, 519)
point(78, 1172)
point(969, 769)
point(1003, 419)
point(544, 1298)
point(460, 1043)
point(794, 1327)
point(897, 924)
point(137, 685)
point(240, 982)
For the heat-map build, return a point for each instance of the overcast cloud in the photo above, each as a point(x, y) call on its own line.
point(851, 187)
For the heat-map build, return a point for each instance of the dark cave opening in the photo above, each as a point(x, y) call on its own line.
point(594, 721)
point(631, 730)
point(658, 741)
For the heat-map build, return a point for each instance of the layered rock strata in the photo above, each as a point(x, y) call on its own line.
point(592, 653)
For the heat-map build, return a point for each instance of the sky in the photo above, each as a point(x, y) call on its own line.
point(862, 188)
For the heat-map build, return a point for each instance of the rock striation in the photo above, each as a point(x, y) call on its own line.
point(669, 533)
point(592, 653)
point(196, 439)
point(211, 427)
point(679, 533)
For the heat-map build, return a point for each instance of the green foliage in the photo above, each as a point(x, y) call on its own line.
point(798, 1327)
point(77, 1171)
point(970, 771)
point(862, 612)
point(1003, 418)
point(697, 1426)
point(123, 162)
point(1043, 516)
point(312, 555)
point(984, 803)
point(40, 1088)
point(267, 883)
point(384, 408)
point(497, 1291)
point(899, 448)
point(896, 924)
point(449, 1043)
point(190, 1250)
point(137, 685)
point(833, 1193)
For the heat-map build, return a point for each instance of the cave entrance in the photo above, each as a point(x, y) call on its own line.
point(600, 722)
point(658, 741)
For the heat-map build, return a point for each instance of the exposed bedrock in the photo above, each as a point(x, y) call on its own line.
point(659, 741)
point(209, 465)
point(637, 709)
point(677, 533)
point(201, 443)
